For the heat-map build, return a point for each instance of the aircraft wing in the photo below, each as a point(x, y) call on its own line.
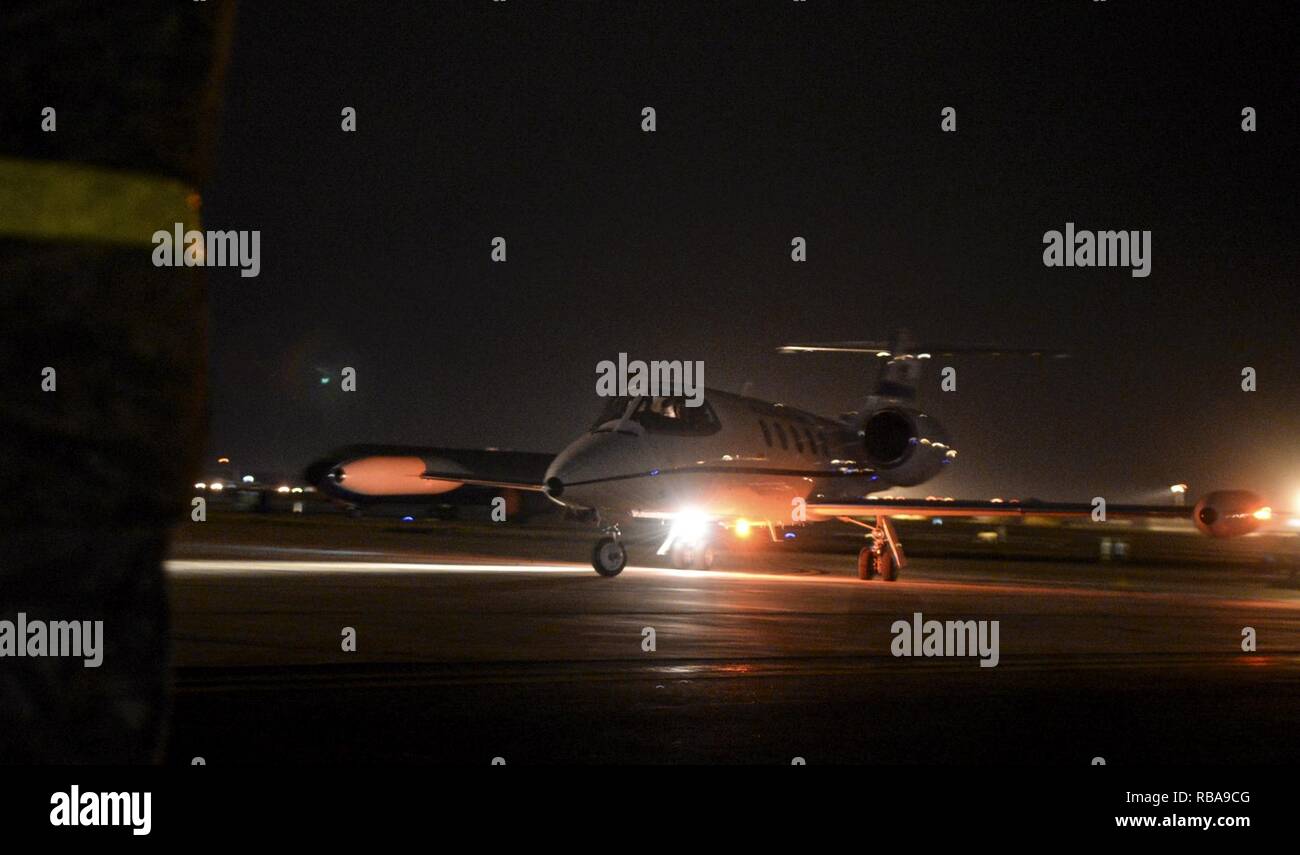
point(1223, 513)
point(978, 508)
point(361, 473)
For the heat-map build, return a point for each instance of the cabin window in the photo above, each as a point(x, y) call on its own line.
point(780, 435)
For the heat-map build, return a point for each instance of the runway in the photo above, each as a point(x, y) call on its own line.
point(462, 656)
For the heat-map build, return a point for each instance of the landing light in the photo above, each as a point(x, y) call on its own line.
point(742, 528)
point(690, 525)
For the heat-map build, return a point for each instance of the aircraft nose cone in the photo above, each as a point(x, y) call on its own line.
point(580, 472)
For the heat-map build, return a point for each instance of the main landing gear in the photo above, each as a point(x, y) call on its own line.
point(609, 556)
point(883, 556)
point(687, 555)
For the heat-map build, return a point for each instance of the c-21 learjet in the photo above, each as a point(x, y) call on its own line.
point(739, 462)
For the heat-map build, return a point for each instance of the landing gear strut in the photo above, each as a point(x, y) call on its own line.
point(883, 556)
point(609, 556)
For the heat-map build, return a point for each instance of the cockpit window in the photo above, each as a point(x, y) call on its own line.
point(612, 411)
point(664, 414)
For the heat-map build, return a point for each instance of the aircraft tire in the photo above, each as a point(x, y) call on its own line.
point(609, 557)
point(866, 564)
point(885, 566)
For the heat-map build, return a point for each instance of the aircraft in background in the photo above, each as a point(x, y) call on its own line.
point(739, 462)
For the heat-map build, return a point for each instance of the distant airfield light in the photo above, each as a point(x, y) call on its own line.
point(297, 489)
point(1180, 493)
point(996, 501)
point(282, 489)
point(324, 381)
point(923, 356)
point(223, 460)
point(883, 354)
point(408, 519)
point(742, 528)
point(200, 486)
point(248, 479)
point(1264, 514)
point(216, 486)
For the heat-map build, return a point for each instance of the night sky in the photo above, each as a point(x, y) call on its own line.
point(775, 119)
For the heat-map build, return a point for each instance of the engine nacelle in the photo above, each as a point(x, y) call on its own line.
point(385, 475)
point(905, 446)
point(1229, 513)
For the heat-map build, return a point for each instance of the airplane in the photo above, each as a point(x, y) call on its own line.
point(739, 462)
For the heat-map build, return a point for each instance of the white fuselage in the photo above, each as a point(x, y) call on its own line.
point(742, 458)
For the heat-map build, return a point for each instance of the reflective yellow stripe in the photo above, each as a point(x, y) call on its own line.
point(47, 200)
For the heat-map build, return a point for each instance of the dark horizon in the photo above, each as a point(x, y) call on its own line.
point(774, 121)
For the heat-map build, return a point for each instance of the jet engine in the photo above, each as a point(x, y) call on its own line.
point(904, 445)
point(1229, 513)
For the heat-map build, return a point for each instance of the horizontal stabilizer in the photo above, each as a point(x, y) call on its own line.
point(887, 350)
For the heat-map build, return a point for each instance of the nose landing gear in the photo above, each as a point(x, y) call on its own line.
point(609, 556)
